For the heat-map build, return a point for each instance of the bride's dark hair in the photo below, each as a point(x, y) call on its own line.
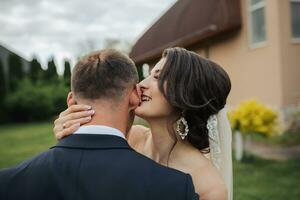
point(195, 87)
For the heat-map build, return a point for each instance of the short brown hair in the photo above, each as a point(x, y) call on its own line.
point(105, 74)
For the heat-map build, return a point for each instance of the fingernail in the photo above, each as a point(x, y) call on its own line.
point(90, 112)
point(88, 118)
point(88, 107)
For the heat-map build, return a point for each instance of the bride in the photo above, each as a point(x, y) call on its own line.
point(183, 101)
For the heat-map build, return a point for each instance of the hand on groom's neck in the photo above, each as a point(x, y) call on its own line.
point(107, 112)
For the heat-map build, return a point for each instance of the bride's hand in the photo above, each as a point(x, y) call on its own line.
point(71, 119)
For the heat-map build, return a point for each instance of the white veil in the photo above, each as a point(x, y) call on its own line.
point(221, 148)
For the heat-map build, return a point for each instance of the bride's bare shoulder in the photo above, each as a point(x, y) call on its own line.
point(137, 135)
point(207, 180)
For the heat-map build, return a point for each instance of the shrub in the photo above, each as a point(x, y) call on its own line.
point(254, 117)
point(59, 92)
point(35, 101)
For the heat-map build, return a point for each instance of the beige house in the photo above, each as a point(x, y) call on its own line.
point(256, 41)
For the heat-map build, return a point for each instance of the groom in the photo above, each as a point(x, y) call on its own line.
point(96, 162)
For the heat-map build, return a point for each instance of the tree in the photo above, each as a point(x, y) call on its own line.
point(67, 72)
point(16, 72)
point(36, 70)
point(51, 74)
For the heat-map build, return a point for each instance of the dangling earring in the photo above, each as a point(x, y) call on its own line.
point(182, 122)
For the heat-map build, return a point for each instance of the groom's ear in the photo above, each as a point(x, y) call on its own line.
point(70, 99)
point(134, 99)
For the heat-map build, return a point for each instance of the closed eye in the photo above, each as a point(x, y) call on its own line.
point(156, 73)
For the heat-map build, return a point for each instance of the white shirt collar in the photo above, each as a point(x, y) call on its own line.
point(99, 130)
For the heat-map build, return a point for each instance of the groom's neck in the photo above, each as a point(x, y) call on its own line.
point(107, 114)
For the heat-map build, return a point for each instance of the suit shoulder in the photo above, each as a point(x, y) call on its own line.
point(24, 164)
point(18, 171)
point(163, 179)
point(164, 171)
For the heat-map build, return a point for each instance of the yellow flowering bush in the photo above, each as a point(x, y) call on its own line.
point(254, 117)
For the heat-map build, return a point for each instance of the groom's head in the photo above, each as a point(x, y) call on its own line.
point(106, 77)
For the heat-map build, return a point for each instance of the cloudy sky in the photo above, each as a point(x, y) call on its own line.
point(64, 28)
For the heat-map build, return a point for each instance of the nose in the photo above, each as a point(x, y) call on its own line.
point(143, 85)
point(138, 89)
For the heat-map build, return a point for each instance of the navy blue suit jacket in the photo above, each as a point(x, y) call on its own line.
point(94, 167)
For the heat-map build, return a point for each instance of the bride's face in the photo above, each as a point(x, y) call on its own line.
point(154, 104)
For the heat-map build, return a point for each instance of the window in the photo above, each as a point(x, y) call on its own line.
point(146, 70)
point(257, 22)
point(295, 19)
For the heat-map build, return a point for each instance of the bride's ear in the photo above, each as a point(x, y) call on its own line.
point(70, 99)
point(134, 99)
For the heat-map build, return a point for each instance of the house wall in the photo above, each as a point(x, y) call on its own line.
point(255, 72)
point(269, 72)
point(290, 51)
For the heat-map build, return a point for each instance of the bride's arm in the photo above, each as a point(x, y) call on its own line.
point(76, 115)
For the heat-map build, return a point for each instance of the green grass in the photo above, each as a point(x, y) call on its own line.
point(254, 179)
point(285, 139)
point(259, 179)
point(22, 141)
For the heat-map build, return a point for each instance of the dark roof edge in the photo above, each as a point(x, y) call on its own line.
point(13, 51)
point(194, 37)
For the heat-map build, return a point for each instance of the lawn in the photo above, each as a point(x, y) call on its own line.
point(285, 139)
point(254, 179)
point(22, 141)
point(259, 179)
